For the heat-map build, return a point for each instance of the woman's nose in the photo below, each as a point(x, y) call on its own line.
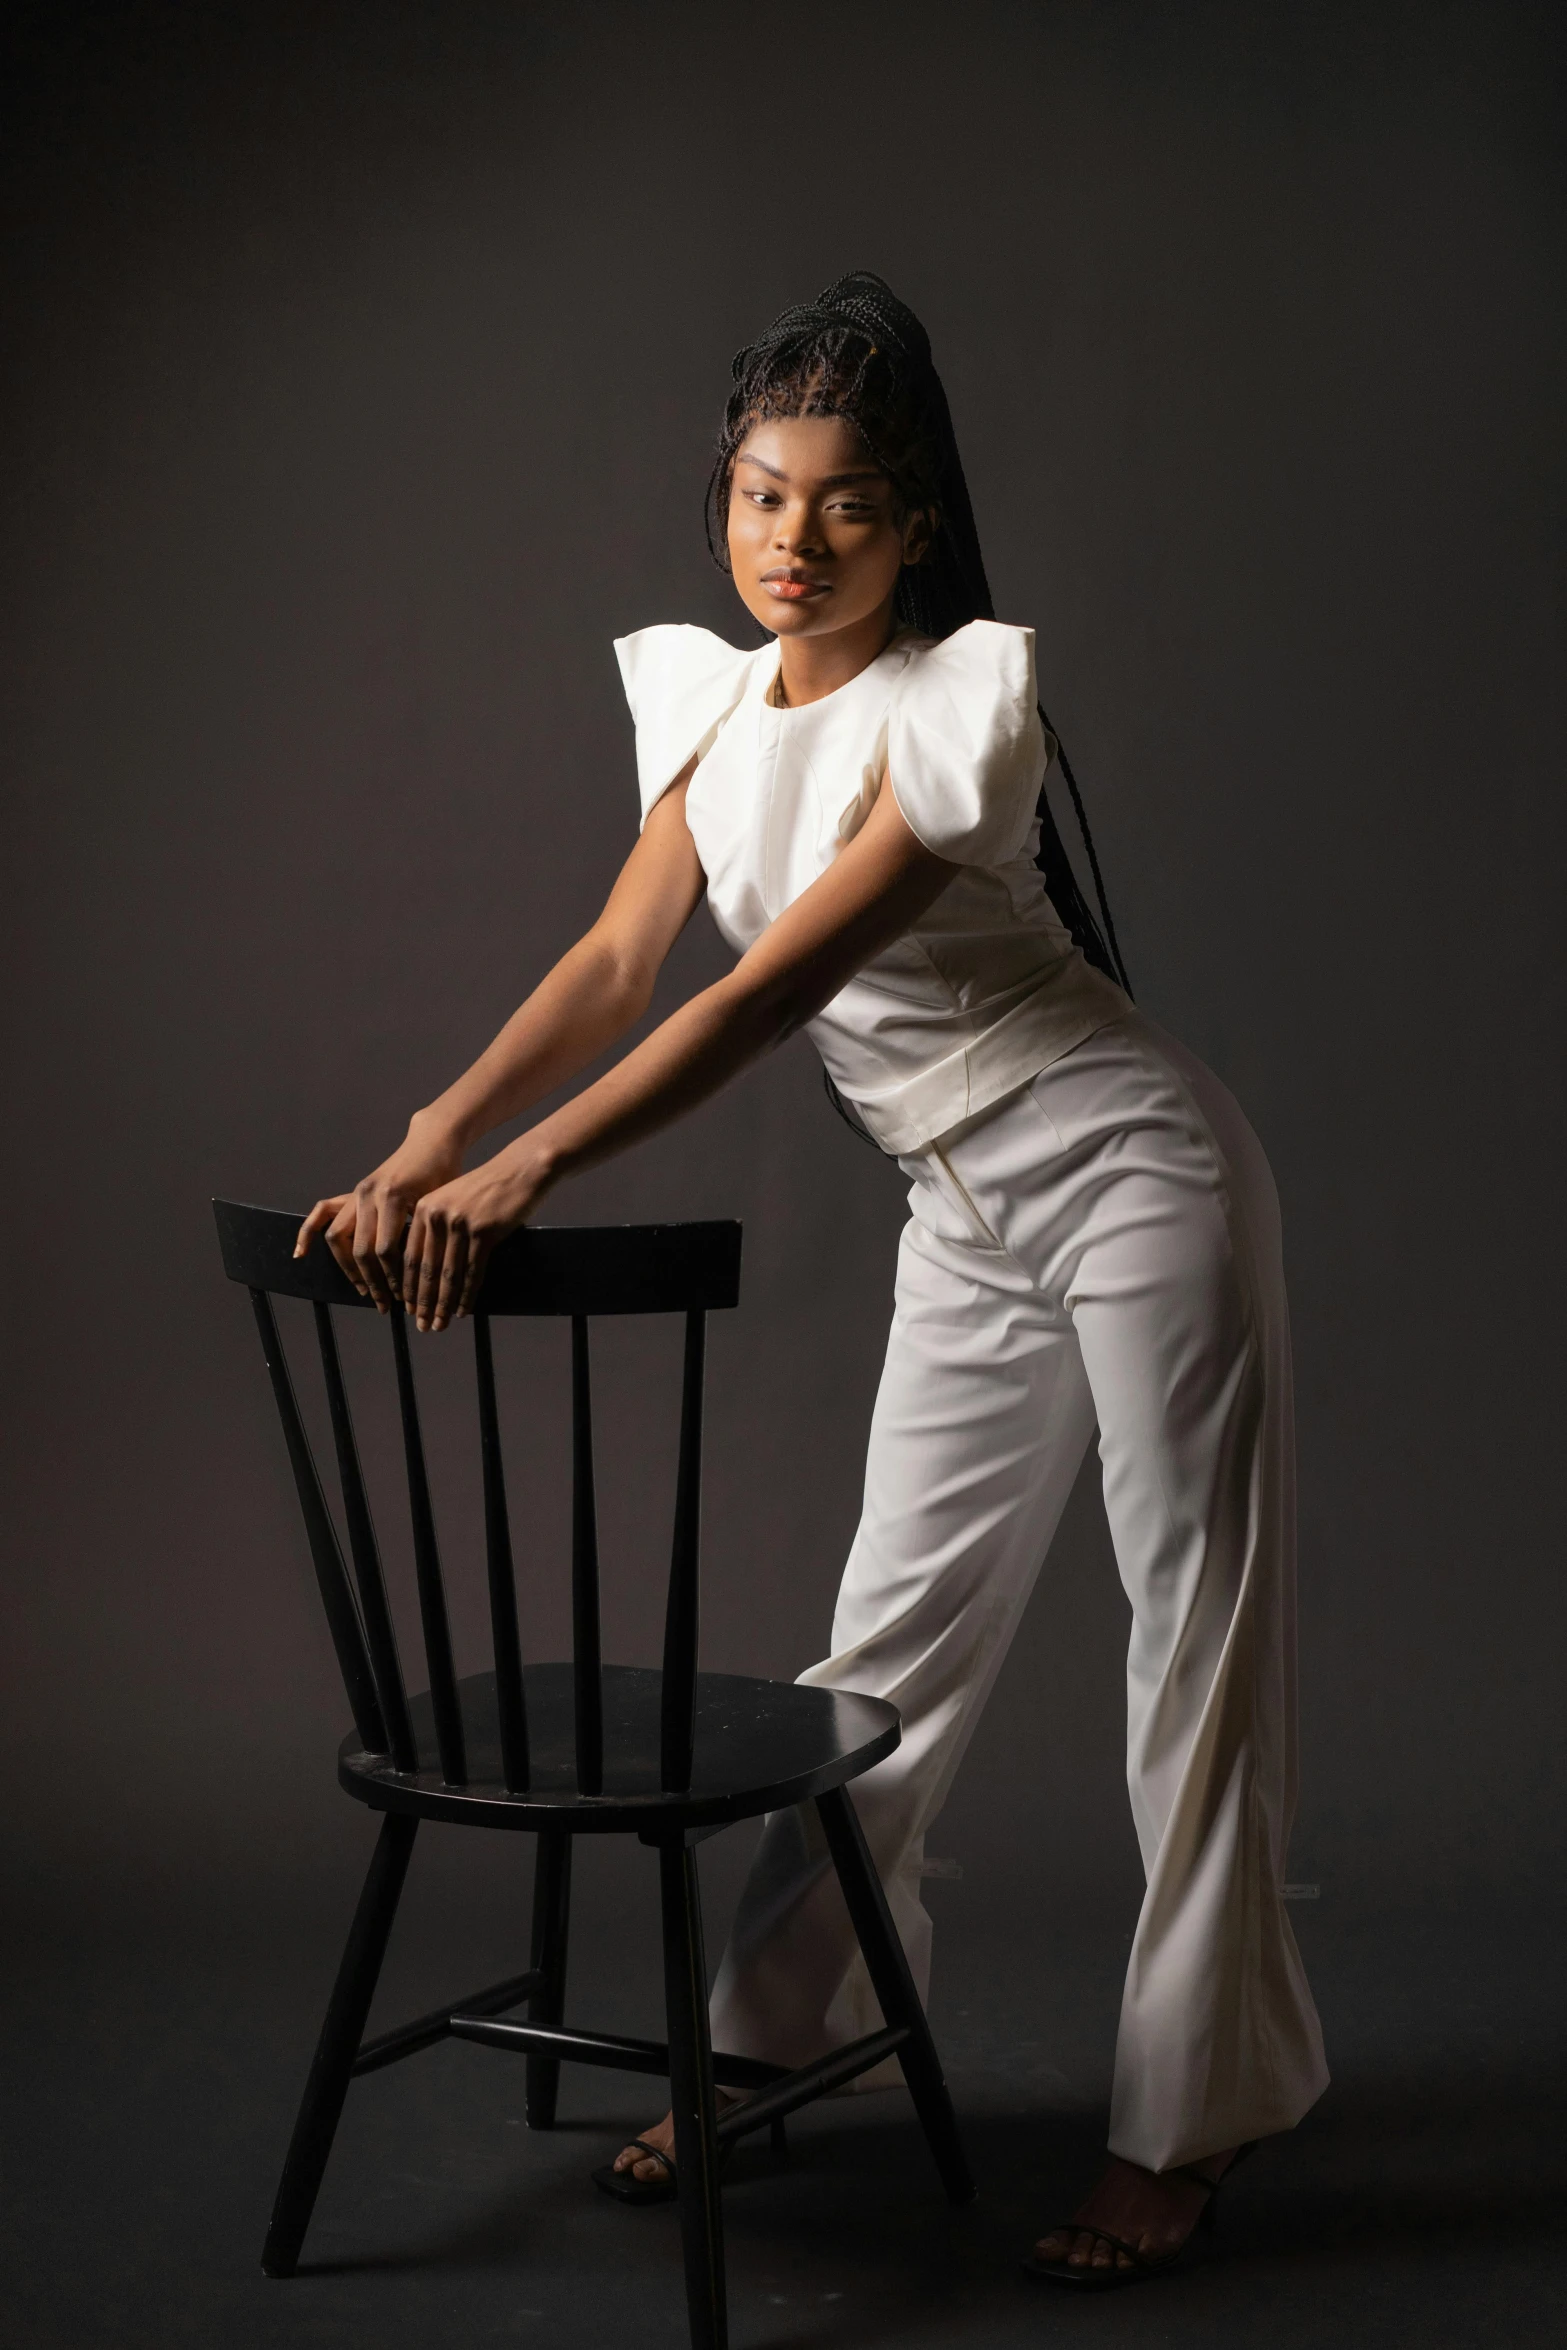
point(796, 533)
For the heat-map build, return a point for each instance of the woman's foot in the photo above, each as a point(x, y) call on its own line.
point(1156, 2211)
point(642, 2165)
point(647, 2169)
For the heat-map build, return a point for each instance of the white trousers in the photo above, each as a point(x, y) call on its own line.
point(1102, 1245)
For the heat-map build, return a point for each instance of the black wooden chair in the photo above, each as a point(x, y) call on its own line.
point(564, 1750)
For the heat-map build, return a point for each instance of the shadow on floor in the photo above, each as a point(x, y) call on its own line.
point(1421, 2204)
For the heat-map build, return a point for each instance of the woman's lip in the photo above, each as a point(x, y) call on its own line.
point(793, 591)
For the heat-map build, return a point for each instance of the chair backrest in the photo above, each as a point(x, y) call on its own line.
point(689, 1269)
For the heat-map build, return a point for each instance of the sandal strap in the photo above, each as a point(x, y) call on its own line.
point(654, 2154)
point(1116, 2243)
point(1200, 2178)
point(1103, 2236)
point(1083, 2227)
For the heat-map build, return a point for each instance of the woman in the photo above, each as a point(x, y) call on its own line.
point(1094, 1237)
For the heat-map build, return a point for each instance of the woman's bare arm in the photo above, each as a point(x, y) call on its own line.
point(597, 990)
point(882, 882)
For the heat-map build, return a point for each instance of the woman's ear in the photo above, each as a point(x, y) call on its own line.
point(918, 532)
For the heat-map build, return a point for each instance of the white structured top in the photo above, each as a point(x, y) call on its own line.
point(986, 989)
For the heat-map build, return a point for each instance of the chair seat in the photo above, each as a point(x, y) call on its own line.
point(759, 1745)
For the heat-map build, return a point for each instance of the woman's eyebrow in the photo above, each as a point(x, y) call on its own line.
point(831, 481)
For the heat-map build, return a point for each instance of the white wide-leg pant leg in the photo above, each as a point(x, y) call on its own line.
point(1104, 1244)
point(981, 1422)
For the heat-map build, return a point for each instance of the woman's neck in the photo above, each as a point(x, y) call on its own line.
point(810, 667)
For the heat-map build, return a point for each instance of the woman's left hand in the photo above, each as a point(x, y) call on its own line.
point(453, 1229)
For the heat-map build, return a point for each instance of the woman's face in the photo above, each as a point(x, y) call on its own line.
point(814, 539)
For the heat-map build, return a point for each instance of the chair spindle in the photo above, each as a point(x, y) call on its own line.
point(380, 1633)
point(510, 1702)
point(588, 1684)
point(444, 1702)
point(337, 1594)
point(677, 1721)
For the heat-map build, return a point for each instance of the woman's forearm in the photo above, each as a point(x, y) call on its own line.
point(577, 1011)
point(880, 885)
point(584, 1005)
point(594, 993)
point(689, 1057)
point(685, 1059)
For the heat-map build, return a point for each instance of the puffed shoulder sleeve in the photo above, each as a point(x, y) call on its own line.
point(681, 684)
point(966, 752)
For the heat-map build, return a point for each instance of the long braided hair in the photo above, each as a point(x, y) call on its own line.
point(859, 353)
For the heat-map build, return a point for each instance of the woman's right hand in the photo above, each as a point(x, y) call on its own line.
point(364, 1227)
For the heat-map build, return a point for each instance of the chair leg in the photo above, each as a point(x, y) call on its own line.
point(338, 2045)
point(551, 1926)
point(894, 1987)
point(692, 2098)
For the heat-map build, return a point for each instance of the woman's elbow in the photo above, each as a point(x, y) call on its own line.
point(773, 1010)
point(625, 980)
point(797, 1011)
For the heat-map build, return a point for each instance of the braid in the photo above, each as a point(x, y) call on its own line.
point(860, 353)
point(1104, 952)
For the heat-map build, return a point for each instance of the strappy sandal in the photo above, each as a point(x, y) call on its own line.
point(1084, 2277)
point(626, 2187)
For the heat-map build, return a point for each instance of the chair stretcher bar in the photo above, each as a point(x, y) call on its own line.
point(425, 2030)
point(777, 2090)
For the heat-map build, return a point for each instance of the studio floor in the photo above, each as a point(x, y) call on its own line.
point(152, 2072)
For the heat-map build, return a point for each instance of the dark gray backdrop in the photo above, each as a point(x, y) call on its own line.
point(361, 367)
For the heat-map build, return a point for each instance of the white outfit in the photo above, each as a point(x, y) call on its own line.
point(987, 987)
point(1098, 1241)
